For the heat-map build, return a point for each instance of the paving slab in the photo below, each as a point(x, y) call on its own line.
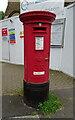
point(13, 106)
point(66, 97)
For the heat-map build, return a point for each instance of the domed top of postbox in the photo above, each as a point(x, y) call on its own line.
point(37, 16)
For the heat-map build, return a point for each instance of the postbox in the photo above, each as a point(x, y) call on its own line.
point(37, 34)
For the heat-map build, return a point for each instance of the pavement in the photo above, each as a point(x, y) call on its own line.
point(13, 107)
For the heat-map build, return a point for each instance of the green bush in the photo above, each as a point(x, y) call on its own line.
point(51, 105)
point(1, 15)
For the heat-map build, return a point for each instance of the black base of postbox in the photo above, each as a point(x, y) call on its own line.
point(35, 93)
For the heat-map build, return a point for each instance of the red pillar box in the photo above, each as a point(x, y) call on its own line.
point(37, 34)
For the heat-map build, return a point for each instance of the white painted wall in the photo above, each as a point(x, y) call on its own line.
point(67, 51)
point(74, 41)
point(15, 50)
point(55, 58)
point(0, 42)
point(60, 58)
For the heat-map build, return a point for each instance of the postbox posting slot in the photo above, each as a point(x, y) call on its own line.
point(39, 29)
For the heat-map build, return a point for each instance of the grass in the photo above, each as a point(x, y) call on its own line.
point(16, 92)
point(34, 113)
point(51, 105)
point(19, 92)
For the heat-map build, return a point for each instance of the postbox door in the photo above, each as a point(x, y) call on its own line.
point(38, 54)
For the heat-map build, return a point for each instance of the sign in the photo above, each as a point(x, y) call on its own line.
point(57, 33)
point(4, 32)
point(39, 73)
point(55, 6)
point(4, 38)
point(22, 34)
point(39, 43)
point(12, 36)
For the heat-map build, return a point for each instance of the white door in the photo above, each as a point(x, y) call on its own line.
point(5, 48)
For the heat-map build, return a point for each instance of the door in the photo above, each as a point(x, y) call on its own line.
point(38, 54)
